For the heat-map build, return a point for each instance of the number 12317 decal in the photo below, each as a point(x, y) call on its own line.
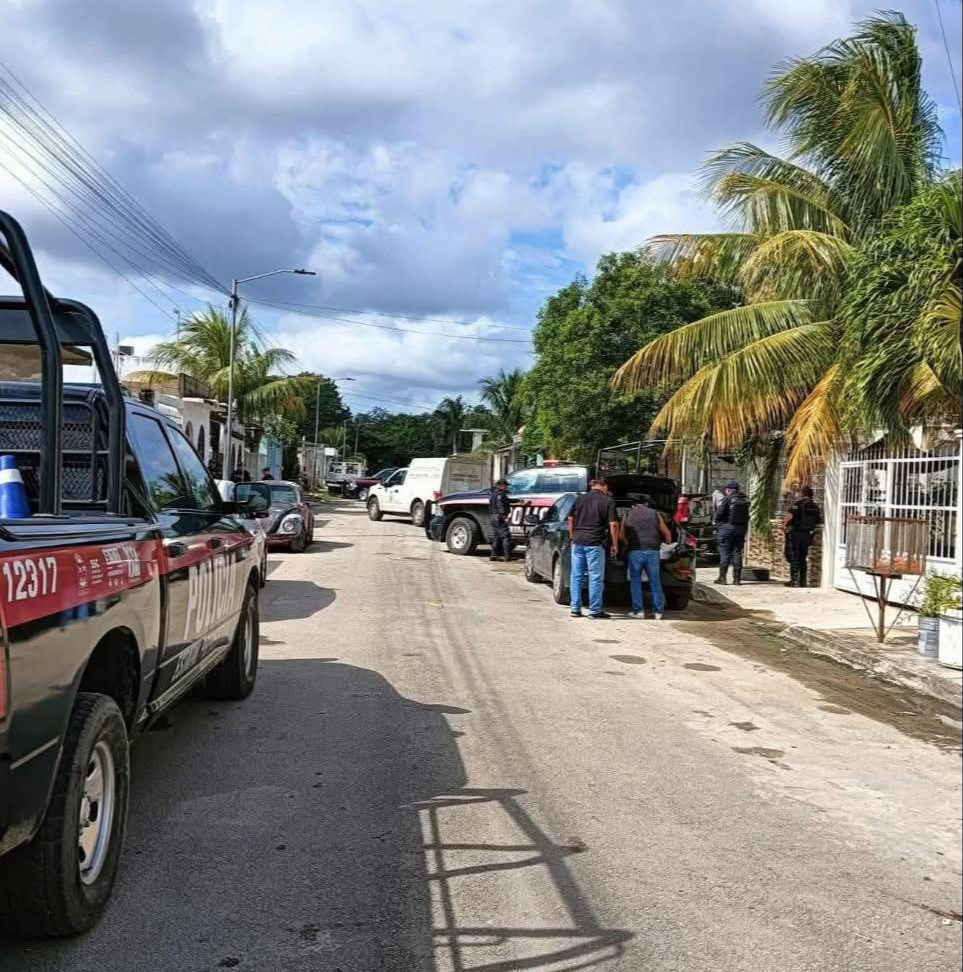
point(29, 577)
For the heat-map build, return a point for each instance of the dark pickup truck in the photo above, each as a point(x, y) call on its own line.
point(129, 583)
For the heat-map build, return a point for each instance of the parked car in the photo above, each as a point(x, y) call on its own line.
point(461, 519)
point(409, 491)
point(360, 487)
point(289, 521)
point(130, 583)
point(548, 554)
point(341, 475)
point(251, 517)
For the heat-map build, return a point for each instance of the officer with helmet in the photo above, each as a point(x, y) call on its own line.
point(732, 519)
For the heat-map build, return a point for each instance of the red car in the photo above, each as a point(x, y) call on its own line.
point(287, 518)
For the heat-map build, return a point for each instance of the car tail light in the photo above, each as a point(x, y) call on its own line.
point(436, 495)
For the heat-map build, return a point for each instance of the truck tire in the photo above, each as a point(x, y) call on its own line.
point(462, 536)
point(235, 676)
point(418, 513)
point(560, 592)
point(59, 883)
point(374, 509)
point(531, 574)
point(677, 600)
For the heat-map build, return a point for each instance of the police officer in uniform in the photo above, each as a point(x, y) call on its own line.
point(800, 524)
point(499, 510)
point(732, 520)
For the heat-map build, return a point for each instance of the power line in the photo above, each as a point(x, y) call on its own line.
point(278, 305)
point(949, 59)
point(402, 317)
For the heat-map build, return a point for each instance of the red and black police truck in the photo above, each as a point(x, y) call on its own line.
point(124, 582)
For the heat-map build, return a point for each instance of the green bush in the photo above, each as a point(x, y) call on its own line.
point(941, 593)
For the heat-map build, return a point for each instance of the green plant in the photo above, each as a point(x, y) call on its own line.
point(941, 593)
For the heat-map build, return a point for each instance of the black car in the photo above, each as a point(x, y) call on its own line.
point(548, 555)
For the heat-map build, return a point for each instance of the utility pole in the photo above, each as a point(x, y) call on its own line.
point(234, 300)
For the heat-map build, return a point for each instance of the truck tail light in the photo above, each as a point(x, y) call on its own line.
point(437, 495)
point(690, 541)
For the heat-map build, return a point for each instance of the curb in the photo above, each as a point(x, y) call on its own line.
point(853, 653)
point(849, 651)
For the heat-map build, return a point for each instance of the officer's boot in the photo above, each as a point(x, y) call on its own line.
point(793, 578)
point(736, 575)
point(721, 579)
point(802, 575)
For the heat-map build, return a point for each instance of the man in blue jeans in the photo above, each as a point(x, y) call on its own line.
point(643, 532)
point(593, 526)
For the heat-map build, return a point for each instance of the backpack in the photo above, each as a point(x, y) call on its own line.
point(738, 510)
point(809, 517)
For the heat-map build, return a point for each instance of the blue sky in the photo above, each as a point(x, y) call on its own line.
point(436, 160)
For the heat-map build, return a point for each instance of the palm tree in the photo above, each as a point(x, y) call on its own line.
point(202, 350)
point(862, 139)
point(502, 393)
point(449, 418)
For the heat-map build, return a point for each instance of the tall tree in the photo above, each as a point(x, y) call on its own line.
point(449, 417)
point(584, 332)
point(202, 350)
point(862, 138)
point(503, 394)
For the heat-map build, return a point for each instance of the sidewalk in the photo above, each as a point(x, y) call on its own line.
point(835, 624)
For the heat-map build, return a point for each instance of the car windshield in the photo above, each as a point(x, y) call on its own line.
point(276, 494)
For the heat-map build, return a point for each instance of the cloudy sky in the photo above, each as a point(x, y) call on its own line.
point(452, 161)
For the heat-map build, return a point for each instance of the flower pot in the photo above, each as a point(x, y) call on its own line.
point(951, 639)
point(928, 644)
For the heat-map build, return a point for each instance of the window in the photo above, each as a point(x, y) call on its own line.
point(560, 510)
point(398, 478)
point(161, 475)
point(200, 489)
point(276, 495)
point(558, 481)
point(200, 442)
point(523, 481)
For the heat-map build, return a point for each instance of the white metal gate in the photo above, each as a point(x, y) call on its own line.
point(881, 481)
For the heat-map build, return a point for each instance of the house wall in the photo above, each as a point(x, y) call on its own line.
point(769, 552)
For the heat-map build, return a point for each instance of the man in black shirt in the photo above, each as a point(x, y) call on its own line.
point(800, 525)
point(499, 509)
point(593, 526)
point(732, 518)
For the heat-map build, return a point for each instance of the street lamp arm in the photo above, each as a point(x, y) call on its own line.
point(274, 273)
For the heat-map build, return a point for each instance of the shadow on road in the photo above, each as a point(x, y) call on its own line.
point(287, 600)
point(326, 546)
point(322, 825)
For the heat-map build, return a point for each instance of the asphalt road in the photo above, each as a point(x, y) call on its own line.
point(440, 771)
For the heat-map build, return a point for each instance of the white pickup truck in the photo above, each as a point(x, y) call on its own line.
point(407, 491)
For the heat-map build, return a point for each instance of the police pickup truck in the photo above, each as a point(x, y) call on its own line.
point(125, 582)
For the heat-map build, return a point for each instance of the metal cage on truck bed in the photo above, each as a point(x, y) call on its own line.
point(64, 458)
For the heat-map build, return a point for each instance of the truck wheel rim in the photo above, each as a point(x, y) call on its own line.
point(363, 494)
point(557, 578)
point(529, 563)
point(96, 812)
point(459, 536)
point(247, 634)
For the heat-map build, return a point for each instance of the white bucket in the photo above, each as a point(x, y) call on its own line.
point(928, 643)
point(951, 640)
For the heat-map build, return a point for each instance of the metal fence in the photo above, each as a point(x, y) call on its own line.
point(880, 480)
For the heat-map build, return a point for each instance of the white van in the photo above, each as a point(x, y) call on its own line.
point(407, 491)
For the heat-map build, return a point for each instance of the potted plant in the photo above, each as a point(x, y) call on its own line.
point(931, 606)
point(951, 625)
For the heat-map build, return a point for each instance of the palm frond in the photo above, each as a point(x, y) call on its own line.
point(816, 428)
point(924, 396)
point(798, 264)
point(681, 353)
point(694, 255)
point(765, 194)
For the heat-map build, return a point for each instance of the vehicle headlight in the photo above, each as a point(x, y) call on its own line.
point(291, 523)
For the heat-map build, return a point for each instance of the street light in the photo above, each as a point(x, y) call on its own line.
point(225, 465)
point(317, 416)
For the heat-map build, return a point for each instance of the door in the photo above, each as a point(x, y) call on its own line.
point(395, 493)
point(554, 534)
point(188, 516)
